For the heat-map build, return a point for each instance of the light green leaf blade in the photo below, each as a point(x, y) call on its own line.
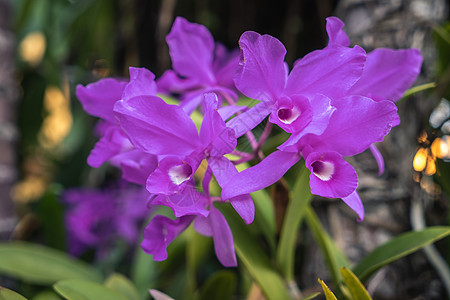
point(143, 271)
point(298, 202)
point(77, 289)
point(7, 294)
point(122, 285)
point(42, 265)
point(312, 296)
point(220, 286)
point(397, 248)
point(256, 261)
point(265, 216)
point(47, 295)
point(355, 286)
point(334, 257)
point(328, 293)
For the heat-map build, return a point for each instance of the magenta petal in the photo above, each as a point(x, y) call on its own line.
point(245, 207)
point(331, 72)
point(378, 157)
point(388, 74)
point(187, 202)
point(136, 166)
point(223, 238)
point(157, 127)
point(225, 64)
point(331, 176)
point(261, 73)
point(354, 202)
point(98, 98)
point(170, 82)
point(227, 111)
point(335, 33)
point(160, 232)
point(142, 82)
point(267, 172)
point(355, 125)
point(203, 226)
point(112, 143)
point(250, 119)
point(191, 47)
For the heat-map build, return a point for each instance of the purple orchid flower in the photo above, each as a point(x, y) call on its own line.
point(355, 124)
point(199, 65)
point(387, 74)
point(98, 99)
point(121, 217)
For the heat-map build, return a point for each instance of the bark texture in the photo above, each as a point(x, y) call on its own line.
point(8, 129)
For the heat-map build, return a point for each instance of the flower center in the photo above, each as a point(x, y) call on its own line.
point(180, 173)
point(287, 115)
point(323, 169)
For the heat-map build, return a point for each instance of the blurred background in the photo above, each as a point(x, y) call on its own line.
point(47, 47)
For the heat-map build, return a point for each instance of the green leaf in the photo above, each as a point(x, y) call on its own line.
point(7, 294)
point(78, 289)
point(143, 271)
point(47, 295)
point(312, 296)
point(252, 255)
point(198, 249)
point(397, 248)
point(264, 216)
point(42, 265)
point(355, 286)
point(220, 286)
point(334, 257)
point(298, 202)
point(417, 89)
point(328, 293)
point(121, 284)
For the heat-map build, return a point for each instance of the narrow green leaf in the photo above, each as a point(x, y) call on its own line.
point(417, 89)
point(334, 257)
point(397, 248)
point(328, 293)
point(355, 286)
point(252, 255)
point(298, 202)
point(143, 271)
point(220, 286)
point(47, 295)
point(78, 289)
point(264, 216)
point(312, 296)
point(42, 265)
point(198, 249)
point(7, 294)
point(122, 285)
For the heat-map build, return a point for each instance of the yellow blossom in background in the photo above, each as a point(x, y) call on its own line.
point(32, 48)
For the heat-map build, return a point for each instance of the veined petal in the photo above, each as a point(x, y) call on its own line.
point(267, 172)
point(223, 238)
point(113, 142)
point(331, 176)
point(136, 165)
point(224, 65)
point(331, 72)
point(187, 202)
point(261, 73)
point(170, 82)
point(160, 232)
point(157, 127)
point(98, 98)
point(142, 82)
point(354, 202)
point(356, 124)
point(191, 47)
point(336, 35)
point(388, 74)
point(250, 118)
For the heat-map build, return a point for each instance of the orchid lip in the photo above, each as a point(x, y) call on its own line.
point(180, 173)
point(324, 170)
point(287, 115)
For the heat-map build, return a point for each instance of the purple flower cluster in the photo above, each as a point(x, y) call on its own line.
point(335, 102)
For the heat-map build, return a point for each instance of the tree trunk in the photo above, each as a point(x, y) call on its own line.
point(8, 130)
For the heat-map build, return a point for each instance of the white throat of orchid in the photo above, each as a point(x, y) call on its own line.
point(180, 173)
point(288, 115)
point(323, 169)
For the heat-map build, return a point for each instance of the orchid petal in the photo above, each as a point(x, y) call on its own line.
point(354, 202)
point(260, 176)
point(142, 82)
point(378, 157)
point(223, 238)
point(203, 226)
point(160, 232)
point(388, 74)
point(227, 111)
point(136, 165)
point(98, 98)
point(157, 127)
point(261, 72)
point(331, 72)
point(250, 119)
point(331, 176)
point(191, 48)
point(335, 33)
point(111, 143)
